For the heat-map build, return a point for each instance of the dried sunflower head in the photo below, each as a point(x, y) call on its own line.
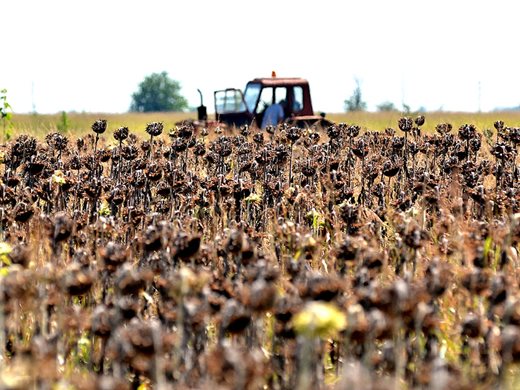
point(121, 134)
point(99, 126)
point(405, 124)
point(154, 128)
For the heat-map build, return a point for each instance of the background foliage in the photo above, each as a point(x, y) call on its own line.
point(158, 93)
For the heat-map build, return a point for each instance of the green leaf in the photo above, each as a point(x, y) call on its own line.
point(487, 246)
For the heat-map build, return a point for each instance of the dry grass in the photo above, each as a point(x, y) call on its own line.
point(79, 123)
point(381, 120)
point(41, 124)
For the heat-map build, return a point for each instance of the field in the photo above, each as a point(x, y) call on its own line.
point(79, 123)
point(381, 253)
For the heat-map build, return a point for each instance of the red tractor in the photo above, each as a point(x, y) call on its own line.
point(237, 108)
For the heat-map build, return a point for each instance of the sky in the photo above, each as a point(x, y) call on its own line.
point(76, 55)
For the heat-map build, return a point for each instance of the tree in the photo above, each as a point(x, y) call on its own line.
point(158, 92)
point(386, 106)
point(355, 102)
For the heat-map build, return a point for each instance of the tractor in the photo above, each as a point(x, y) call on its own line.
point(236, 108)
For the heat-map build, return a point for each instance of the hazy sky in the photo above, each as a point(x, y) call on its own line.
point(78, 55)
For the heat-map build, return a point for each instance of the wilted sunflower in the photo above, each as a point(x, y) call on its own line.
point(99, 126)
point(154, 128)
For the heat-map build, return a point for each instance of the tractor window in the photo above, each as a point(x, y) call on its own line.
point(229, 100)
point(266, 99)
point(298, 99)
point(251, 95)
point(281, 94)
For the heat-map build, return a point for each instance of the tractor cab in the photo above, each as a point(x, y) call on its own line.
point(237, 108)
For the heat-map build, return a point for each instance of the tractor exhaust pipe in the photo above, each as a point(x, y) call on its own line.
point(202, 112)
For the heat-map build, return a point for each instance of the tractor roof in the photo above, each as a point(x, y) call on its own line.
point(278, 81)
